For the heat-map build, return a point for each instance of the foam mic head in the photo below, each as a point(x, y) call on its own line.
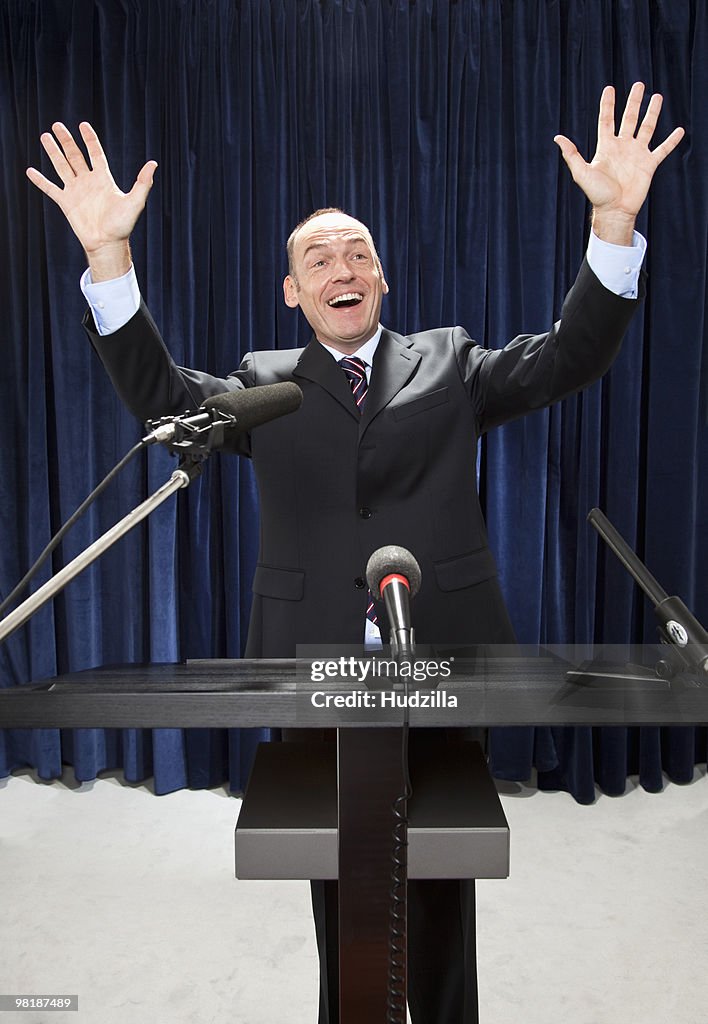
point(252, 407)
point(396, 560)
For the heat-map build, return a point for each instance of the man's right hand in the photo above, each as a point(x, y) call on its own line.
point(102, 217)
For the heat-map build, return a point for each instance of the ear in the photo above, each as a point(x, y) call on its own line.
point(290, 292)
point(384, 283)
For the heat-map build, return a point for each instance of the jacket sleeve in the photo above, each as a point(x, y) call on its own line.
point(533, 371)
point(144, 375)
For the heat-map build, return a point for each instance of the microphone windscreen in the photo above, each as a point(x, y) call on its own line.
point(392, 559)
point(257, 405)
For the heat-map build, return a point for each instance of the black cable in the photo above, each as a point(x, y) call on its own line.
point(58, 537)
point(396, 996)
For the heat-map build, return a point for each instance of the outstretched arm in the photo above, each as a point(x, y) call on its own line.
point(617, 179)
point(101, 216)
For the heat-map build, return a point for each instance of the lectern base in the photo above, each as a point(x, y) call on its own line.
point(287, 827)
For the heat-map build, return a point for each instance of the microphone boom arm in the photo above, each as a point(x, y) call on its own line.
point(181, 477)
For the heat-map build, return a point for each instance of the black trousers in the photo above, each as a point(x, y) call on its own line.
point(442, 956)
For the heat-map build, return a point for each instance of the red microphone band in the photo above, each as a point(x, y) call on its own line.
point(390, 578)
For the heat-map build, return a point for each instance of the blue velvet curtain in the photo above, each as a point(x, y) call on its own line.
point(433, 122)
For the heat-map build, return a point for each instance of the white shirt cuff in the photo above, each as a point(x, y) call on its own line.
point(617, 266)
point(113, 303)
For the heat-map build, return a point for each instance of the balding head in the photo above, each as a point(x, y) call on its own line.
point(330, 214)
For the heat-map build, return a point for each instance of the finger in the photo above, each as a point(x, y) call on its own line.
point(147, 172)
point(572, 157)
point(631, 111)
point(44, 184)
point(668, 145)
point(143, 182)
point(646, 129)
point(57, 158)
point(93, 147)
point(72, 154)
point(606, 116)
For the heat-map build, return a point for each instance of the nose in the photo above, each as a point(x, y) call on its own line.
point(342, 270)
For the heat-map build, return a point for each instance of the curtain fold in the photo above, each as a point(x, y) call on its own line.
point(433, 122)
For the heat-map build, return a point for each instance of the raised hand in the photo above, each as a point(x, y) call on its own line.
point(101, 216)
point(617, 179)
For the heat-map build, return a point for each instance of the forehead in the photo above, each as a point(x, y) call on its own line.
point(329, 229)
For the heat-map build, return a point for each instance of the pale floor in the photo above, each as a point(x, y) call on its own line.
point(130, 901)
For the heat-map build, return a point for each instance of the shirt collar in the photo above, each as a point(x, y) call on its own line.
point(365, 353)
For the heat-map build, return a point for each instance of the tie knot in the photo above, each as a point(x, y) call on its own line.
point(353, 366)
point(355, 370)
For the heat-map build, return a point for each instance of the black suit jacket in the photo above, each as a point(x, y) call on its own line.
point(335, 486)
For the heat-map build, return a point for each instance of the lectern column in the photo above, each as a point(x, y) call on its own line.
point(370, 778)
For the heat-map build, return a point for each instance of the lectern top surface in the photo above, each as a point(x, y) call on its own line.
point(558, 686)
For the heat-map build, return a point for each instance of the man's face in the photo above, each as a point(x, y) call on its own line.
point(337, 280)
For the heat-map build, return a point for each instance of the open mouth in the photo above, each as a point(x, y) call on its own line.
point(345, 301)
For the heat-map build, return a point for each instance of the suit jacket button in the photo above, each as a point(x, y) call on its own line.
point(365, 513)
point(359, 582)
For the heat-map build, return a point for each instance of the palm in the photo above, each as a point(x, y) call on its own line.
point(99, 213)
point(616, 177)
point(620, 173)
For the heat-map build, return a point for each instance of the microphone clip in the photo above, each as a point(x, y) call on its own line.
point(196, 435)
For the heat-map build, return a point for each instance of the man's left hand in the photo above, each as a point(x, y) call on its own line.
point(617, 179)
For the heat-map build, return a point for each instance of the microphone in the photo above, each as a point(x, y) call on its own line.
point(393, 574)
point(678, 628)
point(225, 417)
point(253, 407)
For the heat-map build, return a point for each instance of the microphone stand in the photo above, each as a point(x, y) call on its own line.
point(402, 651)
point(182, 477)
point(684, 641)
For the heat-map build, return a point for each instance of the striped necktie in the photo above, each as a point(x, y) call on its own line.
point(355, 370)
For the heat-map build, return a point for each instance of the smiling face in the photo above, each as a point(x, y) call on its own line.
point(337, 280)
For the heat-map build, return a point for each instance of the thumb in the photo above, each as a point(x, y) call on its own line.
point(144, 181)
point(570, 154)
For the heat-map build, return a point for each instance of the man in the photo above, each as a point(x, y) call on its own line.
point(382, 450)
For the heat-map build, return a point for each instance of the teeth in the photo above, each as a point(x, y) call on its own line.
point(348, 297)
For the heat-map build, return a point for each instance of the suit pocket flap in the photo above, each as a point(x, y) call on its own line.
point(400, 412)
point(465, 570)
point(287, 584)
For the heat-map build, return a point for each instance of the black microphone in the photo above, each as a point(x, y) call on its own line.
point(394, 575)
point(225, 417)
point(253, 407)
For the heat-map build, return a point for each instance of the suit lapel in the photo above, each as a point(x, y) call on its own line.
point(316, 364)
point(394, 365)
